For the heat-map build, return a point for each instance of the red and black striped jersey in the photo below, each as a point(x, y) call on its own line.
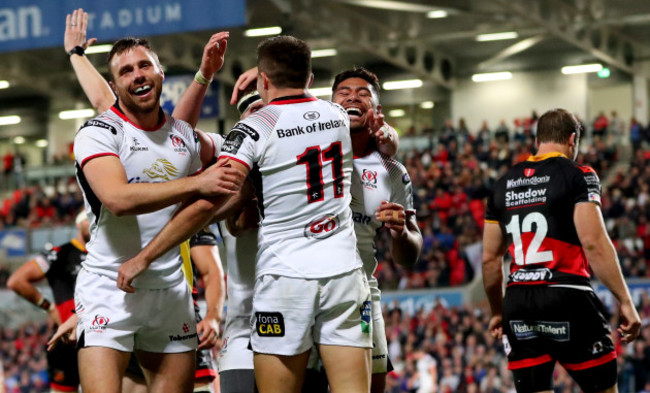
point(60, 266)
point(534, 206)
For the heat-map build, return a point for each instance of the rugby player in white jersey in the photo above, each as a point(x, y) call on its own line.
point(381, 197)
point(310, 288)
point(381, 191)
point(120, 155)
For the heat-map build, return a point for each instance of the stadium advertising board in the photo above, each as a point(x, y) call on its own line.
point(13, 243)
point(412, 301)
point(637, 287)
point(31, 24)
point(173, 88)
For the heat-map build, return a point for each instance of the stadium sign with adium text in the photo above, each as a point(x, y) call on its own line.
point(31, 24)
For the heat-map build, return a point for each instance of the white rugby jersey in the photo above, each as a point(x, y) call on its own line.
point(376, 178)
point(168, 152)
point(240, 266)
point(240, 270)
point(303, 149)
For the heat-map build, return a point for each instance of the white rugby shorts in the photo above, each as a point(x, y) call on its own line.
point(290, 315)
point(151, 320)
point(235, 354)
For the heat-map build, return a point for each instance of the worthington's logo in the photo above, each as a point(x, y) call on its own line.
point(528, 181)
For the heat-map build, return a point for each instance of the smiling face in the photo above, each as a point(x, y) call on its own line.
point(357, 96)
point(137, 79)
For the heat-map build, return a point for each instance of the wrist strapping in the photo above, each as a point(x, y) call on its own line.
point(201, 79)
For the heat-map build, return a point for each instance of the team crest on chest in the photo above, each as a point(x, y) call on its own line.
point(369, 179)
point(178, 144)
point(161, 169)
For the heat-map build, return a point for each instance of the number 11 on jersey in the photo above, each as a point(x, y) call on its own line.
point(313, 158)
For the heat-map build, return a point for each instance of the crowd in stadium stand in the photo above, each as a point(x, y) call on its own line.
point(34, 207)
point(22, 352)
point(447, 349)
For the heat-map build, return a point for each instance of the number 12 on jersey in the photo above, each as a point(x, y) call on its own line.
point(533, 255)
point(313, 158)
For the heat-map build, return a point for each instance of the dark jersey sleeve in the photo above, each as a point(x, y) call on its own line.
point(586, 185)
point(204, 238)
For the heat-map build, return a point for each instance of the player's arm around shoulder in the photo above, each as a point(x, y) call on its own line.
point(97, 150)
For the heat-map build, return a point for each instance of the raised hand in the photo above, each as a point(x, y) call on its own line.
point(75, 30)
point(214, 53)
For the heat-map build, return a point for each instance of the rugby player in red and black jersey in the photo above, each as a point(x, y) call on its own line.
point(60, 266)
point(546, 213)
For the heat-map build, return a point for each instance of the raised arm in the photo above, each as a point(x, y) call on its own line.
point(601, 254)
point(189, 106)
point(494, 248)
point(94, 85)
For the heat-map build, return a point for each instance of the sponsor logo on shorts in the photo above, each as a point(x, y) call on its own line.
point(98, 325)
point(369, 179)
point(382, 356)
point(322, 228)
point(184, 337)
point(269, 324)
point(597, 348)
point(311, 115)
point(541, 274)
point(366, 314)
point(557, 331)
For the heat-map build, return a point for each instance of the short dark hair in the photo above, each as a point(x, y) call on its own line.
point(357, 72)
point(286, 60)
point(556, 126)
point(128, 43)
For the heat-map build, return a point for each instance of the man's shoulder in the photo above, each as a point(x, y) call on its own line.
point(395, 169)
point(107, 122)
